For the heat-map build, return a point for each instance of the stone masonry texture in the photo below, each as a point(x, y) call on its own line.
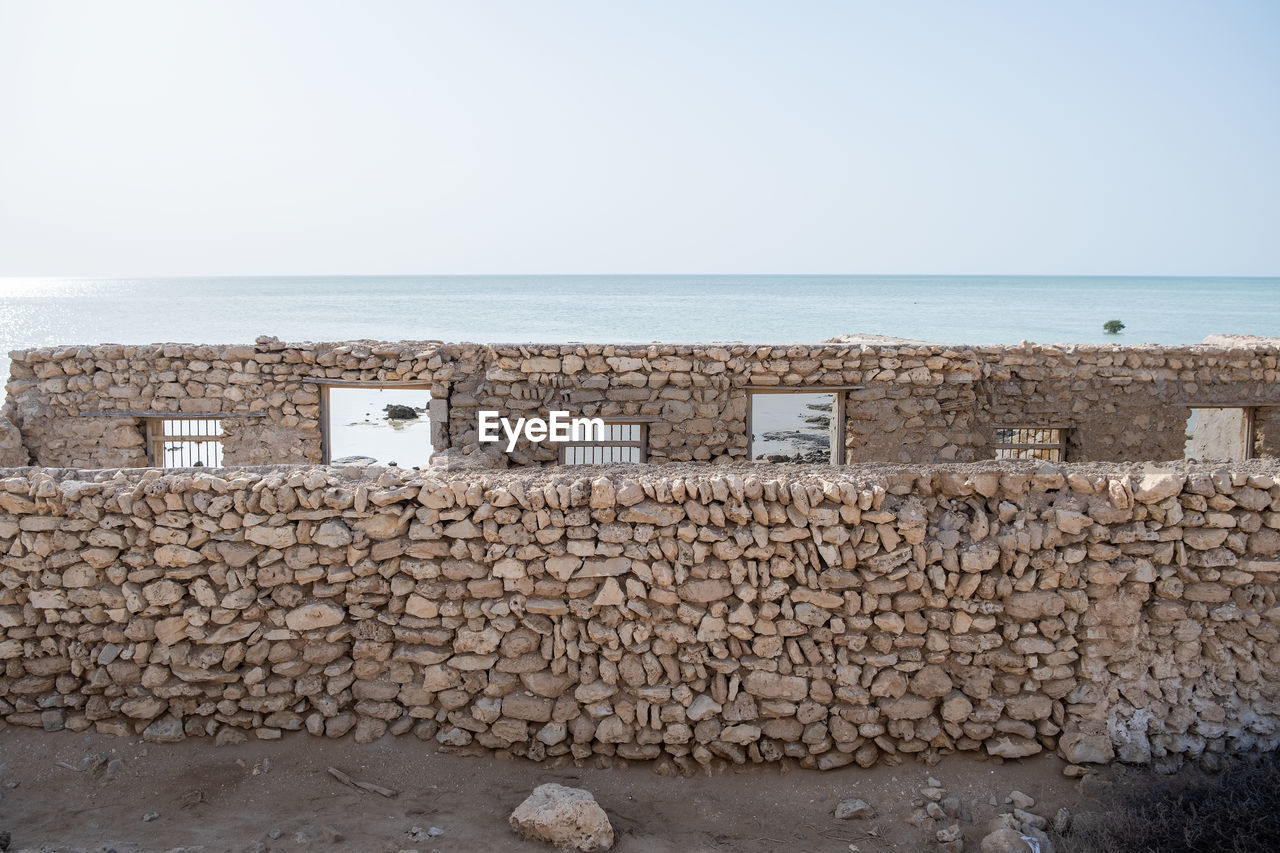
point(745, 613)
point(81, 406)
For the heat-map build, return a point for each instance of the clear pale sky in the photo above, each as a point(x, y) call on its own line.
point(224, 138)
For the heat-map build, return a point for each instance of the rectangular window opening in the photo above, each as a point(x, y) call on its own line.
point(378, 425)
point(621, 442)
point(185, 442)
point(1046, 443)
point(1220, 434)
point(796, 426)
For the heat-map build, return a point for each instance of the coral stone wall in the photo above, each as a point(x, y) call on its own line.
point(743, 613)
point(1125, 404)
point(1267, 433)
point(80, 406)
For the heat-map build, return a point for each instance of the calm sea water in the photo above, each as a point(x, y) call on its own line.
point(552, 309)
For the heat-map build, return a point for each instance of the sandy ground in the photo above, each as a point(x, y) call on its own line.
point(279, 796)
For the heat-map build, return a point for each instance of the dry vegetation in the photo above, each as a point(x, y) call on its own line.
point(1236, 811)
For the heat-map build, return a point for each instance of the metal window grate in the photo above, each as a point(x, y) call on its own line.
point(620, 442)
point(185, 442)
point(1046, 443)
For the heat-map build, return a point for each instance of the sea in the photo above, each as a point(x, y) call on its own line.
point(632, 308)
point(37, 312)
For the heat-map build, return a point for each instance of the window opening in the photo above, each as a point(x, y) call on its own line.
point(378, 426)
point(1046, 443)
point(1219, 434)
point(620, 442)
point(796, 427)
point(185, 442)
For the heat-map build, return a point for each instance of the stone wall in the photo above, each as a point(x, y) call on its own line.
point(921, 403)
point(1267, 433)
point(738, 613)
point(1124, 404)
point(80, 406)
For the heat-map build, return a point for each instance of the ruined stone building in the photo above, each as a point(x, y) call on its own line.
point(96, 406)
point(1017, 580)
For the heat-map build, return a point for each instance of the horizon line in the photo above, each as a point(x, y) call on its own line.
point(54, 277)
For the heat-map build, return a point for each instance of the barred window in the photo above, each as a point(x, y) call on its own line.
point(185, 442)
point(620, 442)
point(1047, 443)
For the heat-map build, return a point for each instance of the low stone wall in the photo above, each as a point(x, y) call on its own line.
point(743, 613)
point(83, 406)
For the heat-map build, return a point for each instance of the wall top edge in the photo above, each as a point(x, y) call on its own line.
point(1216, 344)
point(1049, 476)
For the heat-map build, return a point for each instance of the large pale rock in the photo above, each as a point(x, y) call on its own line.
point(956, 708)
point(237, 554)
point(907, 707)
point(853, 808)
point(171, 630)
point(1072, 522)
point(12, 453)
point(162, 593)
point(602, 493)
point(1034, 605)
point(566, 817)
point(176, 556)
point(421, 607)
point(1005, 840)
point(439, 677)
point(610, 595)
point(741, 734)
point(1156, 484)
point(318, 614)
point(629, 492)
point(464, 529)
point(702, 708)
point(562, 566)
point(1203, 539)
point(540, 364)
point(651, 512)
point(100, 558)
point(771, 685)
point(931, 682)
point(526, 706)
point(1012, 746)
point(1029, 706)
point(1080, 748)
point(384, 525)
point(16, 504)
point(271, 537)
point(332, 534)
point(166, 729)
point(142, 708)
point(595, 567)
point(980, 558)
point(477, 642)
point(705, 590)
